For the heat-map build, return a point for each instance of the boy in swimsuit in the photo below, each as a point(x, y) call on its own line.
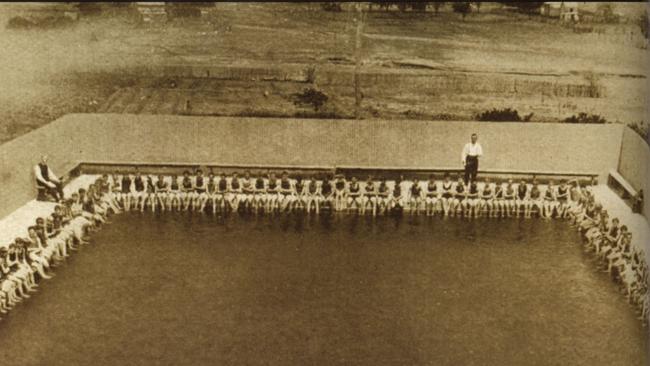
point(116, 190)
point(396, 200)
point(340, 191)
point(499, 207)
point(509, 199)
point(416, 197)
point(486, 199)
point(383, 196)
point(149, 195)
point(574, 208)
point(139, 190)
point(187, 191)
point(562, 199)
point(259, 199)
point(272, 193)
point(200, 191)
point(458, 200)
point(173, 196)
point(127, 191)
point(161, 192)
point(608, 239)
point(550, 202)
point(212, 193)
point(522, 200)
point(536, 201)
point(327, 193)
point(234, 192)
point(431, 200)
point(447, 195)
point(369, 197)
point(472, 198)
point(222, 192)
point(300, 201)
point(353, 194)
point(247, 191)
point(313, 196)
point(287, 193)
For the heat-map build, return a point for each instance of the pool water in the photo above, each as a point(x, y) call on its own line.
point(188, 289)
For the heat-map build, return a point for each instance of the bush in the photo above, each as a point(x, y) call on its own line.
point(462, 7)
point(503, 115)
point(642, 21)
point(331, 6)
point(526, 7)
point(49, 22)
point(585, 118)
point(642, 129)
point(312, 98)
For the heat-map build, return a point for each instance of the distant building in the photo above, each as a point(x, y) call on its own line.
point(189, 9)
point(152, 12)
point(563, 10)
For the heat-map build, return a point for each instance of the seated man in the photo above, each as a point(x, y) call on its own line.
point(47, 181)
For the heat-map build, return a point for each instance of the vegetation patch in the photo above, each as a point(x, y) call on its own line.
point(311, 97)
point(503, 115)
point(50, 22)
point(585, 118)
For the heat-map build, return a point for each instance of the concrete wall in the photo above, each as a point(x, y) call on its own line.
point(634, 163)
point(562, 148)
point(18, 157)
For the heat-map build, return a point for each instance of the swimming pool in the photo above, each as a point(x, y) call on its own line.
point(182, 288)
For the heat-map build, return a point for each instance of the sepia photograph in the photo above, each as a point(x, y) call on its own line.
point(324, 183)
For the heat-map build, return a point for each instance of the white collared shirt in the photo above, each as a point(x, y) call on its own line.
point(471, 150)
point(51, 176)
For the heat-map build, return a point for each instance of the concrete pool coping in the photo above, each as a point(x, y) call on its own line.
point(15, 224)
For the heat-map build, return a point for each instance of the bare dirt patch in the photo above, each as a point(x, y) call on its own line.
point(413, 66)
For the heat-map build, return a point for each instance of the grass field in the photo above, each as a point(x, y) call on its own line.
point(413, 65)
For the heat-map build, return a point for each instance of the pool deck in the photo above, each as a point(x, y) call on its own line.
point(16, 224)
point(636, 223)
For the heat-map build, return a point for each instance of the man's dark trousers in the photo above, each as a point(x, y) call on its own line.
point(471, 168)
point(56, 192)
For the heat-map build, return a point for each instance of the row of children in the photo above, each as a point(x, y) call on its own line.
point(612, 246)
point(27, 260)
point(268, 193)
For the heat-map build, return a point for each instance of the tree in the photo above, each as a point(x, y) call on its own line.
point(462, 7)
point(642, 21)
point(418, 5)
point(526, 7)
point(437, 5)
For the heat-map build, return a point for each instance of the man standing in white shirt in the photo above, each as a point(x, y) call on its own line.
point(469, 157)
point(46, 179)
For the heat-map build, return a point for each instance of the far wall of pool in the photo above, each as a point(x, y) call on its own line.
point(122, 138)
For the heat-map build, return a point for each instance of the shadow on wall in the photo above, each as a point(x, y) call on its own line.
point(634, 163)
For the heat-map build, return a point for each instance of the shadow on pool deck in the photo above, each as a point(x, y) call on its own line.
point(198, 290)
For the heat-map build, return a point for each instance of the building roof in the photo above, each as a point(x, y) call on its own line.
point(559, 4)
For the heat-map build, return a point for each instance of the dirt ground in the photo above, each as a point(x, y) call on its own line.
point(252, 59)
